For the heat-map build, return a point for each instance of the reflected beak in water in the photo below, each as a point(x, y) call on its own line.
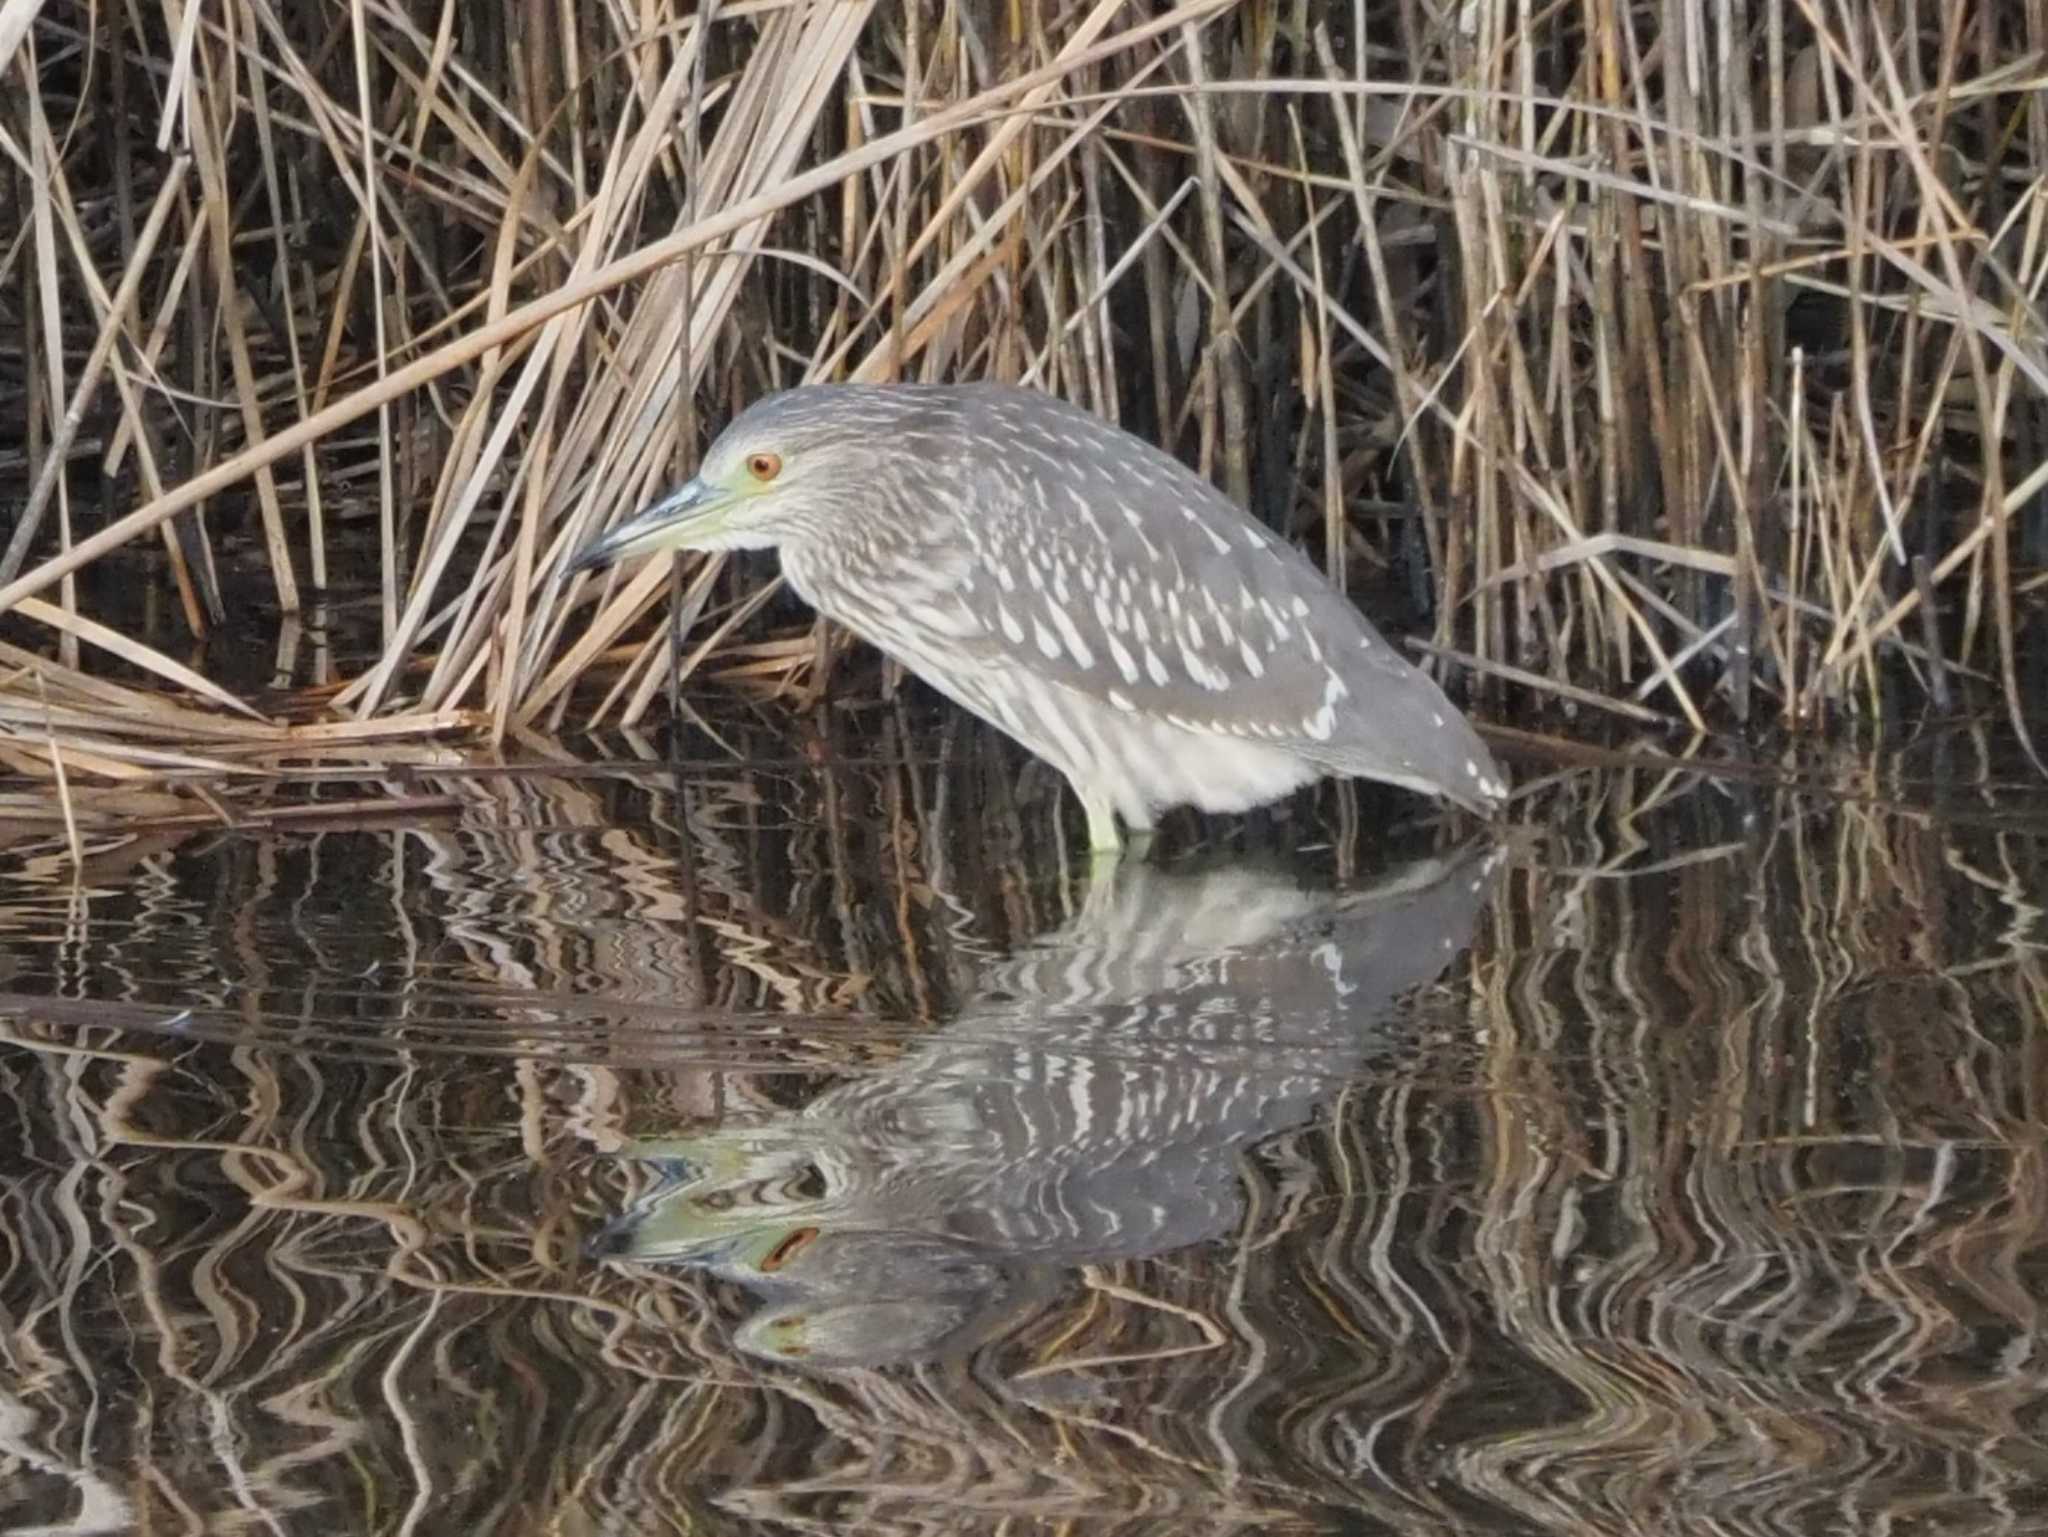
point(691, 517)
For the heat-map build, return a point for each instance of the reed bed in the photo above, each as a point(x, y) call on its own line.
point(1680, 362)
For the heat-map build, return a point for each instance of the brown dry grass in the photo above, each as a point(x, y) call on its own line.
point(1688, 359)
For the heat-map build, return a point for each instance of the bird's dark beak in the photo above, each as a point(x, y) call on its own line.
point(677, 522)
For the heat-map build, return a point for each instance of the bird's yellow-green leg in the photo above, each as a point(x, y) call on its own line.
point(1104, 841)
point(1106, 846)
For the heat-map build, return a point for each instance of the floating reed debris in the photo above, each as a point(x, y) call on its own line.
point(1647, 360)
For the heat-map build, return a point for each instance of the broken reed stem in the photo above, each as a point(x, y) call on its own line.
point(73, 843)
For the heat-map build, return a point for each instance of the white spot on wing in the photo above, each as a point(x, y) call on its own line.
point(1077, 648)
point(1137, 521)
point(1203, 671)
point(1085, 512)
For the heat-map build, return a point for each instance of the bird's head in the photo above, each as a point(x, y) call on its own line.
point(784, 468)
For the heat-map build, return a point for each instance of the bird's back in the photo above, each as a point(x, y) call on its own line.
point(1110, 566)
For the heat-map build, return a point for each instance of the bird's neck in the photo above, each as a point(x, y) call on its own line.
point(838, 570)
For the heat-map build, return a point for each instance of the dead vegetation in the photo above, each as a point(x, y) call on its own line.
point(1684, 363)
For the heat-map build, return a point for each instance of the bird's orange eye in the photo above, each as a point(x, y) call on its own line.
point(764, 467)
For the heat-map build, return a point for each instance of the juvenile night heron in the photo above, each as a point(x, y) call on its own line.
point(1079, 588)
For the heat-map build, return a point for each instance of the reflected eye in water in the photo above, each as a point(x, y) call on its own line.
point(788, 1249)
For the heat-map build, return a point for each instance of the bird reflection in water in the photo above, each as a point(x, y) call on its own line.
point(1087, 1107)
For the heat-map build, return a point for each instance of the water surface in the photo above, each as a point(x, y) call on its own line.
point(799, 1141)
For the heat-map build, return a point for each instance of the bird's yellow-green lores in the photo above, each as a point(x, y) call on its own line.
point(1086, 592)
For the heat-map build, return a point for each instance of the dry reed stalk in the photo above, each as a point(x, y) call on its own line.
point(1532, 277)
